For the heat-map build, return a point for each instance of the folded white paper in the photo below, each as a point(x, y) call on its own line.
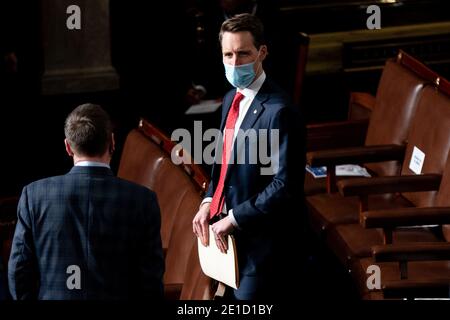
point(349, 170)
point(205, 106)
point(222, 267)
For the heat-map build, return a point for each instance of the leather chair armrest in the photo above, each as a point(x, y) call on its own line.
point(392, 184)
point(363, 99)
point(405, 217)
point(361, 105)
point(415, 251)
point(330, 135)
point(356, 155)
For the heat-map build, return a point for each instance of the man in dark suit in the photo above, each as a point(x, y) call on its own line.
point(260, 204)
point(87, 234)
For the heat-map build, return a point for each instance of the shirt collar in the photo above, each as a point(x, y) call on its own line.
point(252, 90)
point(91, 164)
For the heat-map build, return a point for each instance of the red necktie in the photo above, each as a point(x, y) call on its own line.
point(218, 198)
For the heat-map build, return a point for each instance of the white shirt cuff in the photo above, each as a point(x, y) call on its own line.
point(232, 219)
point(206, 200)
point(230, 212)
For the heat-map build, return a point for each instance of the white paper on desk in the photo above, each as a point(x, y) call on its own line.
point(205, 106)
point(351, 170)
point(345, 170)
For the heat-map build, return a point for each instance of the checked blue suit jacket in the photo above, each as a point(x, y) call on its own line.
point(268, 208)
point(107, 227)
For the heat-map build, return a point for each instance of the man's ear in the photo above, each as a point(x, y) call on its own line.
point(112, 145)
point(68, 148)
point(263, 52)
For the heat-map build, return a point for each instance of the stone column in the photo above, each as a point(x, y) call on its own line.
point(77, 61)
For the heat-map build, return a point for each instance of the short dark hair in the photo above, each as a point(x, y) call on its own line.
point(245, 22)
point(88, 130)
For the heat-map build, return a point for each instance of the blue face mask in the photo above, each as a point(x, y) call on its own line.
point(240, 76)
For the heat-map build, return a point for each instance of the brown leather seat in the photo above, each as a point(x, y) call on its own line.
point(334, 209)
point(146, 160)
point(422, 273)
point(354, 243)
point(197, 286)
point(389, 125)
point(352, 240)
point(182, 239)
point(140, 163)
point(399, 89)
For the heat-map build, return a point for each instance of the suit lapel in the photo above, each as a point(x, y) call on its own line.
point(226, 105)
point(253, 112)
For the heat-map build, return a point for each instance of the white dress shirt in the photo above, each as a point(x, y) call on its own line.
point(91, 164)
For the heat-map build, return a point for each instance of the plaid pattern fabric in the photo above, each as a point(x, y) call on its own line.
point(88, 219)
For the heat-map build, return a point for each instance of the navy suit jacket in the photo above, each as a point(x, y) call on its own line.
point(267, 207)
point(107, 227)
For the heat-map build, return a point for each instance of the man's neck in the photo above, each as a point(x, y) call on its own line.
point(103, 159)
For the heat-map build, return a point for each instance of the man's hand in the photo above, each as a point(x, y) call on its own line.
point(222, 229)
point(200, 224)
